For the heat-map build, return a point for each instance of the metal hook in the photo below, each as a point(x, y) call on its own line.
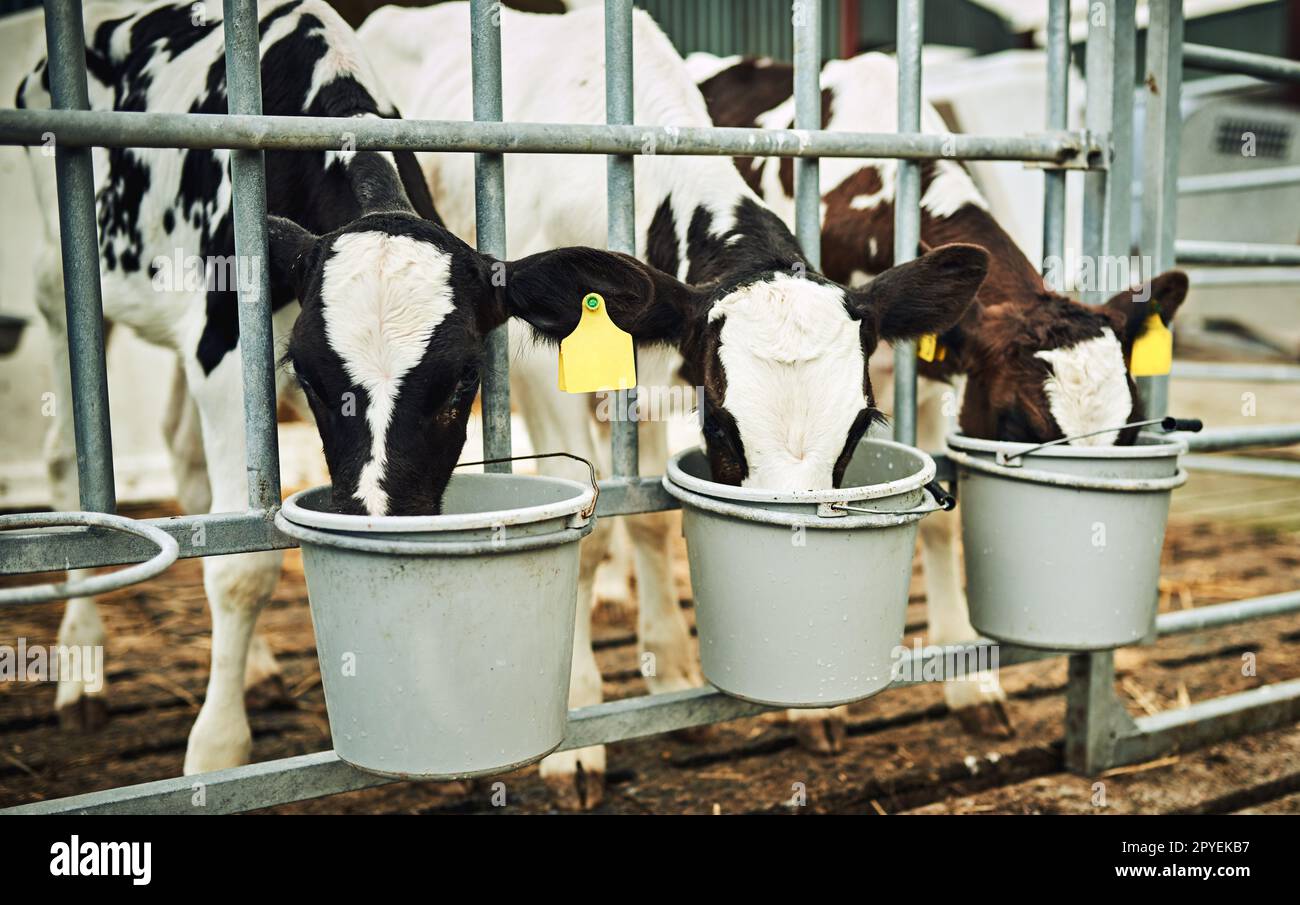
point(591, 469)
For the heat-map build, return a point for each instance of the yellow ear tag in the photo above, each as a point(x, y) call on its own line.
point(927, 347)
point(1153, 351)
point(597, 355)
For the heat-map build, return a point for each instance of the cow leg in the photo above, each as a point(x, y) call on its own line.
point(558, 422)
point(820, 729)
point(237, 586)
point(80, 702)
point(668, 659)
point(977, 701)
point(612, 576)
point(184, 435)
point(263, 684)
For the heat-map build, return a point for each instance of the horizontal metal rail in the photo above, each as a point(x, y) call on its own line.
point(117, 129)
point(316, 775)
point(1219, 59)
point(1197, 251)
point(1204, 183)
point(1220, 438)
point(1243, 276)
point(1244, 465)
point(234, 532)
point(1207, 722)
point(1244, 371)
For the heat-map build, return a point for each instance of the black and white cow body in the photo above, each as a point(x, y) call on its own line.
point(778, 349)
point(380, 311)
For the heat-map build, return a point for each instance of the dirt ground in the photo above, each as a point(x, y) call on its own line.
point(1230, 537)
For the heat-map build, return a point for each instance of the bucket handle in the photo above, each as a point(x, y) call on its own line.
point(944, 501)
point(591, 471)
point(1167, 425)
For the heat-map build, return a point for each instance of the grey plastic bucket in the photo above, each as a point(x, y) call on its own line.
point(445, 641)
point(1063, 551)
point(800, 597)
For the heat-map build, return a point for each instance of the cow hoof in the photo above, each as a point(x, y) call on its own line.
point(87, 713)
point(578, 791)
point(822, 735)
point(269, 693)
point(576, 779)
point(988, 719)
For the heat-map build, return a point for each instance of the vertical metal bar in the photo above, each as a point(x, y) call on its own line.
point(1058, 112)
point(1091, 708)
point(65, 38)
point(806, 19)
point(256, 338)
point(621, 199)
point(490, 222)
point(1108, 194)
point(1164, 122)
point(907, 204)
point(1089, 697)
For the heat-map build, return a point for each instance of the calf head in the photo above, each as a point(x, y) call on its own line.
point(782, 358)
point(388, 345)
point(1051, 367)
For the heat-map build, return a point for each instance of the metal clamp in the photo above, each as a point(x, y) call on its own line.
point(168, 550)
point(944, 501)
point(1167, 425)
point(1088, 153)
point(591, 472)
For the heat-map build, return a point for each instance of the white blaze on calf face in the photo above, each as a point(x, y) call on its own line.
point(1088, 388)
point(794, 367)
point(383, 297)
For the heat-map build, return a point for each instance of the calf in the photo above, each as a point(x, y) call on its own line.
point(1028, 364)
point(779, 349)
point(381, 311)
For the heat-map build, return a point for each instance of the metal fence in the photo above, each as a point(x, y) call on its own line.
point(1099, 732)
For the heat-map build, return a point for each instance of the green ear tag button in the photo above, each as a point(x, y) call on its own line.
point(597, 355)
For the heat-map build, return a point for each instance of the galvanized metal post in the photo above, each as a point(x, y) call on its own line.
point(256, 336)
point(1107, 232)
point(65, 39)
point(1091, 707)
point(621, 201)
point(907, 204)
point(806, 19)
point(490, 223)
point(1164, 122)
point(1058, 117)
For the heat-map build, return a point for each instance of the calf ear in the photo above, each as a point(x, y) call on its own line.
point(1163, 296)
point(547, 289)
point(290, 246)
point(925, 295)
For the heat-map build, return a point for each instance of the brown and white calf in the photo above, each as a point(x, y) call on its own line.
point(1024, 362)
point(780, 350)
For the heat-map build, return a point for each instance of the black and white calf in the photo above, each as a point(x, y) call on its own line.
point(1026, 363)
point(780, 350)
point(381, 310)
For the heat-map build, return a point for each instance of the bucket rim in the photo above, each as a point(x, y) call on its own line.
point(1160, 449)
point(294, 512)
point(676, 478)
